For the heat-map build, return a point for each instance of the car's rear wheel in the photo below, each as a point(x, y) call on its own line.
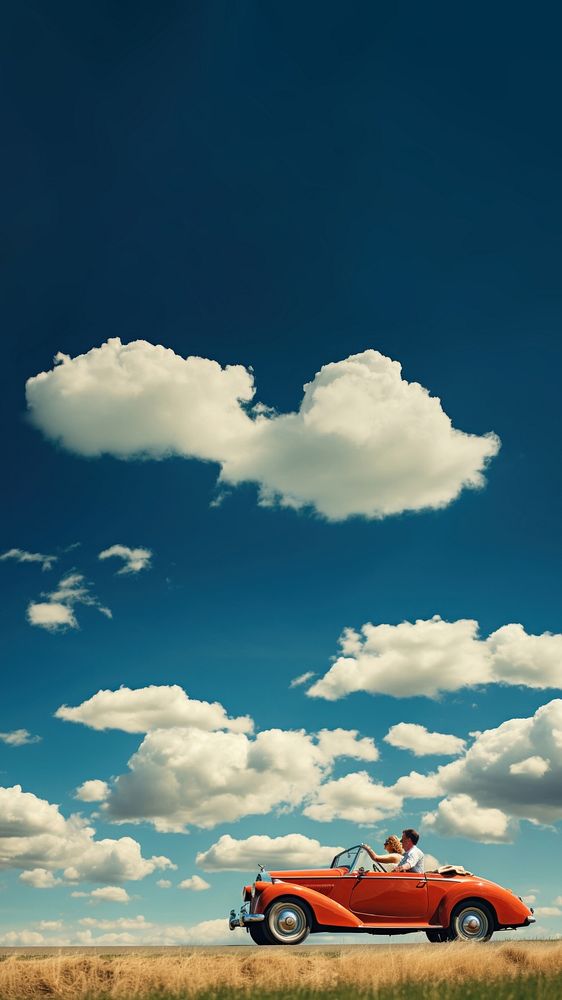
point(257, 933)
point(438, 935)
point(287, 921)
point(471, 921)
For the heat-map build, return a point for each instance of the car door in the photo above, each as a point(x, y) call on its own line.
point(377, 897)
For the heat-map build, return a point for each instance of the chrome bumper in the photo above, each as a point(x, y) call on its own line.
point(243, 918)
point(529, 921)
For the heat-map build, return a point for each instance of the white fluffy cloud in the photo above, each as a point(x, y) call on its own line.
point(92, 791)
point(434, 656)
point(355, 797)
point(18, 738)
point(51, 615)
point(110, 894)
point(138, 710)
point(134, 560)
point(410, 736)
point(509, 773)
point(293, 850)
point(461, 816)
point(181, 777)
point(56, 612)
point(194, 884)
point(35, 837)
point(21, 556)
point(39, 878)
point(141, 399)
point(364, 441)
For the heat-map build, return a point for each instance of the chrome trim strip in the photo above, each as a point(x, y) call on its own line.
point(380, 876)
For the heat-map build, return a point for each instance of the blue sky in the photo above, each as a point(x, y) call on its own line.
point(278, 190)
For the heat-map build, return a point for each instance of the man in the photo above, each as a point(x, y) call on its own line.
point(412, 859)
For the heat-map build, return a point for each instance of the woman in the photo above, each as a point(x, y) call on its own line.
point(394, 850)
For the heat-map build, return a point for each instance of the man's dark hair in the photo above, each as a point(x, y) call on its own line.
point(412, 834)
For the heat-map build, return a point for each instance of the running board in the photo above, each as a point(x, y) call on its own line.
point(402, 927)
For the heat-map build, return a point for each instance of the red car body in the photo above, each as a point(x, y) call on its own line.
point(345, 898)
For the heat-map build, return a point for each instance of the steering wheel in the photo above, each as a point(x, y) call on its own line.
point(377, 867)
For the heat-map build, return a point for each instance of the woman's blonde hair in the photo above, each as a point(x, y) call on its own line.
point(394, 845)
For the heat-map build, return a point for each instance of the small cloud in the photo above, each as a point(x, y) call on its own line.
point(50, 925)
point(548, 911)
point(92, 791)
point(419, 741)
point(51, 615)
point(19, 738)
point(39, 878)
point(21, 556)
point(194, 884)
point(164, 883)
point(56, 613)
point(302, 679)
point(110, 894)
point(134, 560)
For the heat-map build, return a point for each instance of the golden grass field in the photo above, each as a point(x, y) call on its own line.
point(237, 972)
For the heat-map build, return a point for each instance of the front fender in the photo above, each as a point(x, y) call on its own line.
point(326, 912)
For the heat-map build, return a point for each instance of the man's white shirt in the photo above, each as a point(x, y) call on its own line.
point(413, 858)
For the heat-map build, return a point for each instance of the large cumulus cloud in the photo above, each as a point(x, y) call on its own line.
point(198, 767)
point(293, 850)
point(363, 442)
point(433, 656)
point(157, 706)
point(187, 777)
point(509, 773)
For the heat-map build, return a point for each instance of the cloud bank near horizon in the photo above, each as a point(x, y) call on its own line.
point(364, 441)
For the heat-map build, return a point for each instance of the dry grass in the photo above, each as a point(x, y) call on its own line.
point(238, 972)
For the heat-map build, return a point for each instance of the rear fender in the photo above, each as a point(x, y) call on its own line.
point(506, 908)
point(326, 912)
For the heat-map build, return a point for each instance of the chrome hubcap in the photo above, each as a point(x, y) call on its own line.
point(473, 925)
point(287, 923)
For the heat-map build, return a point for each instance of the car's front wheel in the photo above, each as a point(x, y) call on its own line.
point(257, 933)
point(287, 921)
point(471, 922)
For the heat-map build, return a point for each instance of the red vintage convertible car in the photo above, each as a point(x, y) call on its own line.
point(357, 895)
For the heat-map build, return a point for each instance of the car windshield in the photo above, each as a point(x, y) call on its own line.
point(352, 859)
